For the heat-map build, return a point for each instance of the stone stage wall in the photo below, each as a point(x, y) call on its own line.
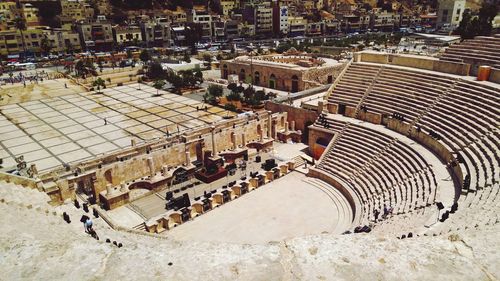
point(132, 163)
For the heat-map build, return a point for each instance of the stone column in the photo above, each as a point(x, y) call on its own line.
point(261, 135)
point(109, 189)
point(151, 166)
point(133, 142)
point(286, 127)
point(165, 169)
point(243, 140)
point(214, 151)
point(320, 107)
point(233, 140)
point(269, 122)
point(123, 187)
point(275, 129)
point(188, 158)
point(292, 126)
point(34, 170)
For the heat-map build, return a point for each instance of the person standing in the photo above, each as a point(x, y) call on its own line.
point(88, 226)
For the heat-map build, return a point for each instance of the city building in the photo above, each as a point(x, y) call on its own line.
point(450, 12)
point(62, 40)
point(263, 19)
point(75, 10)
point(280, 19)
point(157, 34)
point(227, 6)
point(96, 36)
point(13, 42)
point(291, 72)
point(30, 14)
point(297, 26)
point(127, 35)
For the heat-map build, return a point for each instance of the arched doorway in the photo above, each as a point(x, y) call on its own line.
point(256, 78)
point(319, 147)
point(242, 75)
point(108, 176)
point(295, 84)
point(225, 73)
point(272, 81)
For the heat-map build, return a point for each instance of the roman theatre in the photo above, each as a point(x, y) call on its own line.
point(396, 166)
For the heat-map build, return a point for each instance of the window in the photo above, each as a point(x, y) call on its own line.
point(458, 11)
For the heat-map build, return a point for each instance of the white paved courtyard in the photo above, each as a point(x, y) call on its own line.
point(71, 128)
point(286, 208)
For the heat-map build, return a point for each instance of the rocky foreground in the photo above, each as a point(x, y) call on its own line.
point(36, 244)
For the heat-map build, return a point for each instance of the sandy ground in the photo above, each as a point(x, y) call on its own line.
point(16, 93)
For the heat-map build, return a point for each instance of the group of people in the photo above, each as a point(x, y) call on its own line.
point(387, 212)
point(26, 77)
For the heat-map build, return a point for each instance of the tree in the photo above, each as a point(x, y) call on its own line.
point(186, 58)
point(100, 64)
point(155, 71)
point(198, 74)
point(193, 34)
point(230, 107)
point(46, 45)
point(20, 24)
point(471, 26)
point(159, 84)
point(215, 90)
point(208, 59)
point(99, 83)
point(145, 56)
point(233, 96)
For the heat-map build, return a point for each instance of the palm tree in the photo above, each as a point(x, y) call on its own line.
point(46, 45)
point(20, 24)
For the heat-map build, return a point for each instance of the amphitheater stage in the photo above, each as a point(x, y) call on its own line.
point(286, 208)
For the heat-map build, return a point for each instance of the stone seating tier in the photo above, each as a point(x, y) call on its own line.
point(381, 170)
point(463, 113)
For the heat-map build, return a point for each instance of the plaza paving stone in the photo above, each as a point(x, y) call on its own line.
point(70, 128)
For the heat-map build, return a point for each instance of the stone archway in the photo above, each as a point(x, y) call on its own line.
point(272, 81)
point(295, 84)
point(108, 176)
point(242, 75)
point(256, 78)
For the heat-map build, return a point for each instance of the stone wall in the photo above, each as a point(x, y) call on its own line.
point(307, 77)
point(438, 147)
point(419, 62)
point(321, 75)
point(315, 133)
point(302, 117)
point(132, 163)
point(283, 76)
point(348, 194)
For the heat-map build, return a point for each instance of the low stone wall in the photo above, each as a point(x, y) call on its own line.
point(316, 173)
point(302, 117)
point(420, 62)
point(437, 147)
point(24, 181)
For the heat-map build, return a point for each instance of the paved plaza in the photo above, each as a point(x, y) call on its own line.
point(286, 208)
point(75, 127)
